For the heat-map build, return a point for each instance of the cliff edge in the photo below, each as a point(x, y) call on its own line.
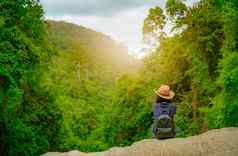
point(218, 142)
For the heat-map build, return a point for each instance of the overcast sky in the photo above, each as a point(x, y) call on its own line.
point(120, 19)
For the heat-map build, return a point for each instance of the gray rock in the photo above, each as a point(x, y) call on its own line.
point(219, 142)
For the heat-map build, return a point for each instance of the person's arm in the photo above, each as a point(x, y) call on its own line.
point(156, 111)
point(173, 109)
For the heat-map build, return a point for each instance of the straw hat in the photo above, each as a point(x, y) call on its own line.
point(165, 92)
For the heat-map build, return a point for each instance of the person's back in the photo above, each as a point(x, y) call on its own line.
point(163, 114)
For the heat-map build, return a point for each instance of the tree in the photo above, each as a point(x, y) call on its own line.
point(23, 107)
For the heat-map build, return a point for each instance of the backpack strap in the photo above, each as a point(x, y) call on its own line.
point(165, 108)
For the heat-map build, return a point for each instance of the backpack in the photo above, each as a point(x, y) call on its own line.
point(164, 123)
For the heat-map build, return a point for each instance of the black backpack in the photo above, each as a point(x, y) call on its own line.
point(164, 123)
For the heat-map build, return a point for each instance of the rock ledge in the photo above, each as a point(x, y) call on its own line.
point(218, 142)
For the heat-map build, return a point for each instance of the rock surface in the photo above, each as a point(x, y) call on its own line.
point(219, 142)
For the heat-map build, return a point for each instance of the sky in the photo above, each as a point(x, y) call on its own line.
point(122, 20)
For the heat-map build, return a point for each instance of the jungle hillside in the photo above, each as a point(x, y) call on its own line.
point(65, 86)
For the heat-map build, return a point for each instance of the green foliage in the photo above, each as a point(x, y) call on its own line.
point(154, 21)
point(189, 61)
point(225, 104)
point(65, 87)
point(27, 142)
point(224, 110)
point(130, 117)
point(81, 81)
point(176, 8)
point(200, 64)
point(25, 113)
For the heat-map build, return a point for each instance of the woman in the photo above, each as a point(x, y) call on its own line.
point(163, 113)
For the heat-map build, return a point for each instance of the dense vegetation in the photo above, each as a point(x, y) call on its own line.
point(65, 87)
point(81, 79)
point(199, 61)
point(28, 121)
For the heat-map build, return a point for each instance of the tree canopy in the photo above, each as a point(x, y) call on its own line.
point(65, 87)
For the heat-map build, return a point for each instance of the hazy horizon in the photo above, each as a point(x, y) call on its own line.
point(121, 20)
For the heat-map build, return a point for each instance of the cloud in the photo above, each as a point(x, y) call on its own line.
point(120, 19)
point(125, 27)
point(94, 7)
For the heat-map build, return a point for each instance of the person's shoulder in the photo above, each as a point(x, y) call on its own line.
point(156, 104)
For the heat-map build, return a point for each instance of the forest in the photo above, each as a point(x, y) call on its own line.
point(65, 87)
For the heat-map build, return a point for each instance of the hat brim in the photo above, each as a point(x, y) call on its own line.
point(169, 97)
